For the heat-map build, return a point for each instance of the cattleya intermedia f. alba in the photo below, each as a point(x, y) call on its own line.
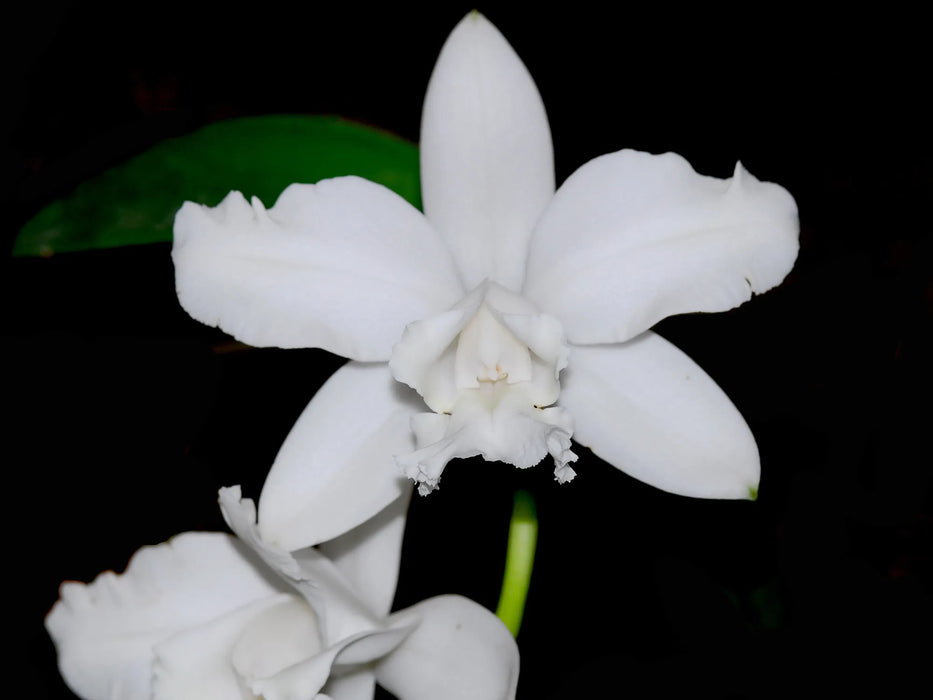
point(521, 315)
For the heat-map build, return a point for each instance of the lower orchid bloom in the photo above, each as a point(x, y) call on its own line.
point(207, 616)
point(519, 315)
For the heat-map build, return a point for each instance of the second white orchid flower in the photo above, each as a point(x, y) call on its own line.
point(520, 315)
point(207, 616)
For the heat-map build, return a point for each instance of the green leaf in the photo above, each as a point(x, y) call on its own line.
point(135, 202)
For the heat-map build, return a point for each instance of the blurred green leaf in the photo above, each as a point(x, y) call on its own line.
point(135, 202)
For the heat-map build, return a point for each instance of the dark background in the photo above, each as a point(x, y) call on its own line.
point(126, 416)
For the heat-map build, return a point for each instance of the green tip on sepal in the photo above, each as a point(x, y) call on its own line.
point(519, 561)
point(753, 493)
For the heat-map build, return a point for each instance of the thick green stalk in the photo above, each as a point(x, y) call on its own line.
point(519, 561)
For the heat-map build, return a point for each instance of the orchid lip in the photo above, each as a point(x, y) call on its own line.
point(487, 367)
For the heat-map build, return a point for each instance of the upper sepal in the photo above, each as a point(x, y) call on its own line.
point(487, 165)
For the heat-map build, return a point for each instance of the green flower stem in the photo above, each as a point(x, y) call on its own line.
point(519, 561)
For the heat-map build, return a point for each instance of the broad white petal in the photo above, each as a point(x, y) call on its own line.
point(335, 469)
point(356, 685)
point(631, 238)
point(305, 679)
point(369, 555)
point(342, 265)
point(197, 664)
point(651, 411)
point(458, 651)
point(105, 631)
point(283, 635)
point(339, 612)
point(487, 167)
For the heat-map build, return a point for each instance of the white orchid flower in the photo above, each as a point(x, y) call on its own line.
point(520, 315)
point(207, 616)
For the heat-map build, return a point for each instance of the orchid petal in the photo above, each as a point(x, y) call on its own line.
point(105, 631)
point(631, 238)
point(339, 611)
point(487, 168)
point(335, 469)
point(651, 411)
point(195, 664)
point(284, 635)
point(305, 679)
point(342, 265)
point(356, 685)
point(458, 651)
point(369, 555)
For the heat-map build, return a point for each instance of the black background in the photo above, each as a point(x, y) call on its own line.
point(125, 416)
